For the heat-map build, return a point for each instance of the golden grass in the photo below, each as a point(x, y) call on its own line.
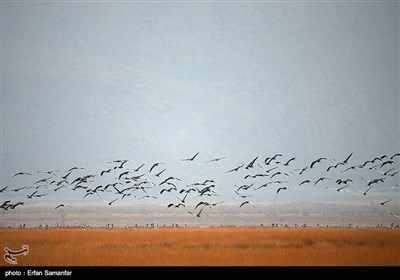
point(206, 247)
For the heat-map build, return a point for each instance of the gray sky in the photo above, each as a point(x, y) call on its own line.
point(84, 83)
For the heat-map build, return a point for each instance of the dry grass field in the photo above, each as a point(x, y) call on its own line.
point(206, 247)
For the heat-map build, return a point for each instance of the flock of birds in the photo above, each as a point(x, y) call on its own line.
point(142, 182)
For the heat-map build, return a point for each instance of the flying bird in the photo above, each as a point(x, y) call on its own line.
point(384, 202)
point(347, 159)
point(198, 214)
point(321, 179)
point(154, 165)
point(317, 161)
point(243, 196)
point(235, 169)
point(395, 155)
point(61, 205)
point(176, 205)
point(365, 193)
point(109, 202)
point(334, 166)
point(137, 169)
point(158, 174)
point(192, 158)
point(217, 159)
point(21, 173)
point(244, 203)
point(287, 163)
point(105, 171)
point(251, 164)
point(280, 189)
point(305, 182)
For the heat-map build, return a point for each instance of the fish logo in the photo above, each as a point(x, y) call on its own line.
point(9, 256)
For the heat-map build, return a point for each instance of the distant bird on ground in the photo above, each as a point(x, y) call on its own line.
point(192, 158)
point(217, 159)
point(21, 173)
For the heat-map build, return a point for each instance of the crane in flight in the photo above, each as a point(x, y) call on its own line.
point(192, 158)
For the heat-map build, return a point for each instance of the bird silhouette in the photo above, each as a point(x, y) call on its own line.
point(317, 161)
point(384, 202)
point(192, 158)
point(217, 159)
point(280, 189)
point(61, 205)
point(198, 214)
point(154, 165)
point(287, 163)
point(251, 164)
point(235, 169)
point(21, 173)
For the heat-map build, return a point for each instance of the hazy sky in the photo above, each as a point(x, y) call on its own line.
point(84, 83)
